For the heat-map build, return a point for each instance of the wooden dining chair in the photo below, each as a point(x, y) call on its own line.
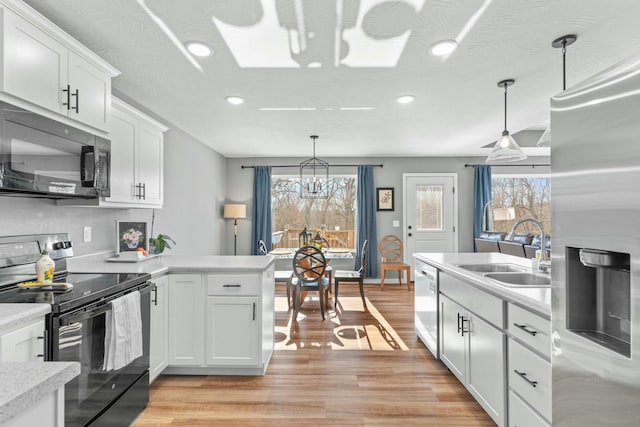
point(309, 266)
point(280, 276)
point(352, 276)
point(391, 252)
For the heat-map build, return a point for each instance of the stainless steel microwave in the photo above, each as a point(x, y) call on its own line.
point(40, 157)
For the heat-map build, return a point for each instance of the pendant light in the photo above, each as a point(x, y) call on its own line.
point(506, 148)
point(560, 42)
point(314, 176)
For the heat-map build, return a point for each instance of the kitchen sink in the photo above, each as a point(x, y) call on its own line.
point(493, 268)
point(522, 279)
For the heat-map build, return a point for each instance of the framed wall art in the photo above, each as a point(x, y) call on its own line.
point(131, 235)
point(384, 199)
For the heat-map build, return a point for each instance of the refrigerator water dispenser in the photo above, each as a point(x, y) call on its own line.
point(598, 297)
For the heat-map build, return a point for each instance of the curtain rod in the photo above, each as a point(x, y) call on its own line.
point(533, 165)
point(297, 166)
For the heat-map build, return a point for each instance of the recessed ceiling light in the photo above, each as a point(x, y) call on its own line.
point(199, 49)
point(443, 47)
point(235, 100)
point(405, 99)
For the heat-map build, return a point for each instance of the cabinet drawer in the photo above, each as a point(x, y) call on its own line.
point(233, 284)
point(533, 382)
point(530, 328)
point(481, 303)
point(521, 415)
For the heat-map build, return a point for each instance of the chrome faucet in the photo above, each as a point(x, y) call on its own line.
point(545, 263)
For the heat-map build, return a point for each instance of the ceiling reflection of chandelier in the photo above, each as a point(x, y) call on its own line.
point(314, 176)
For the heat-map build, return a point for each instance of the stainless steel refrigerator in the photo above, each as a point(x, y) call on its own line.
point(595, 196)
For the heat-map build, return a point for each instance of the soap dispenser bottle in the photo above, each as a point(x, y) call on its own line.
point(45, 268)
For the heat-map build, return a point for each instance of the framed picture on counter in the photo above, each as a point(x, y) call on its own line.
point(131, 235)
point(384, 199)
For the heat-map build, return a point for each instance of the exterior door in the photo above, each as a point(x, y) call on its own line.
point(430, 216)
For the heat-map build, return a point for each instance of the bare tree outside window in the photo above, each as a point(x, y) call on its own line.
point(333, 218)
point(529, 196)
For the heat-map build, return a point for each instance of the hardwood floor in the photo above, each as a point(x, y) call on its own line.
point(357, 368)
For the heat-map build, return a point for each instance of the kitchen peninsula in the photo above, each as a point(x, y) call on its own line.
point(210, 315)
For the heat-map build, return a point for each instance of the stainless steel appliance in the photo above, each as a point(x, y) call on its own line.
point(76, 329)
point(40, 157)
point(595, 181)
point(426, 293)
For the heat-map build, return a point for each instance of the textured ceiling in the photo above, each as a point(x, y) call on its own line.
point(369, 52)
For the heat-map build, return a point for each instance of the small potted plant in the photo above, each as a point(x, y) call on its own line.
point(158, 244)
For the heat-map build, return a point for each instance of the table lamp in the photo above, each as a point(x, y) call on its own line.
point(235, 211)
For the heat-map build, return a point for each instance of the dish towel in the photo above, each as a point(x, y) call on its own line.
point(123, 332)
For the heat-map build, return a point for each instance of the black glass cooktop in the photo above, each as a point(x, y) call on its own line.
point(87, 288)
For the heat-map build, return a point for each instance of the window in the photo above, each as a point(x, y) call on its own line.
point(527, 196)
point(334, 218)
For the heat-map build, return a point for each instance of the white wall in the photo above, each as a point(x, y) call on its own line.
point(239, 189)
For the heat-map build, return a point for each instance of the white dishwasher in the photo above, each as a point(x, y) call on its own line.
point(426, 305)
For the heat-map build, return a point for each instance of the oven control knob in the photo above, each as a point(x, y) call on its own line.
point(59, 245)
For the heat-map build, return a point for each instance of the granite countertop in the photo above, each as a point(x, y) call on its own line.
point(12, 315)
point(24, 384)
point(534, 299)
point(170, 264)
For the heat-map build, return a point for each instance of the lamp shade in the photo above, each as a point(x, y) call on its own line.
point(504, 214)
point(235, 211)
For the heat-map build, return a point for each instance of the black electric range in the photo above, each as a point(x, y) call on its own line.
point(77, 326)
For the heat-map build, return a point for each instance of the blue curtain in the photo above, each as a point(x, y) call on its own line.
point(481, 195)
point(261, 209)
point(366, 226)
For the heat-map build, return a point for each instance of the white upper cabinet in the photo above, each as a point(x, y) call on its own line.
point(136, 158)
point(46, 71)
point(136, 176)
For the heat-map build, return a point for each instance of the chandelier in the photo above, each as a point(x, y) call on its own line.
point(314, 176)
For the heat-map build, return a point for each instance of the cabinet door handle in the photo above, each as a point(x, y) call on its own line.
point(144, 191)
point(235, 285)
point(462, 320)
point(68, 103)
point(524, 328)
point(523, 375)
point(155, 295)
point(77, 95)
point(254, 311)
point(459, 322)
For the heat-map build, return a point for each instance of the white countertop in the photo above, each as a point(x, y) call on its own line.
point(12, 315)
point(170, 264)
point(535, 299)
point(24, 384)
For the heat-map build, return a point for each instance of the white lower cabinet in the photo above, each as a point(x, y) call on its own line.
point(186, 319)
point(452, 342)
point(529, 369)
point(474, 352)
point(521, 414)
point(221, 323)
point(472, 347)
point(23, 344)
point(159, 336)
point(232, 331)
